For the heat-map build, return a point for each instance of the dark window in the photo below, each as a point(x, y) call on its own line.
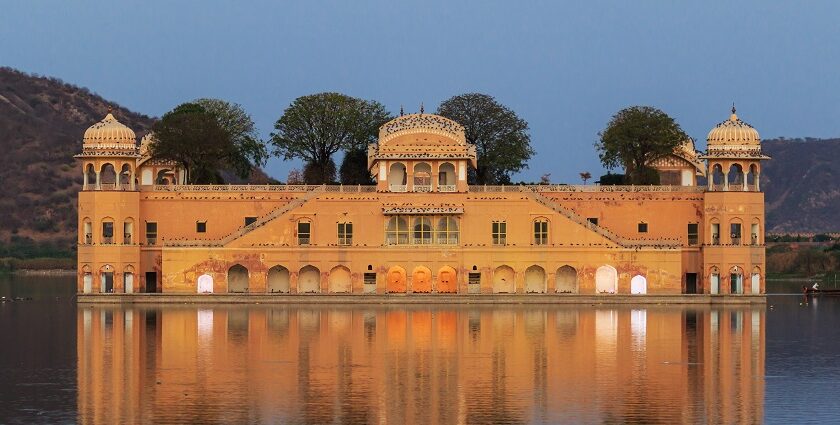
point(643, 227)
point(201, 226)
point(693, 236)
point(151, 233)
point(499, 233)
point(250, 220)
point(593, 220)
point(304, 232)
point(345, 233)
point(474, 278)
point(370, 278)
point(108, 232)
point(735, 230)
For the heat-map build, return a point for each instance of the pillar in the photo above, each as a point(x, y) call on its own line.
point(98, 185)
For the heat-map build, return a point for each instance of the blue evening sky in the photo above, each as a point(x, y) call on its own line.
point(563, 67)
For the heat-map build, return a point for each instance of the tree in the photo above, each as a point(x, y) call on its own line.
point(501, 138)
point(635, 137)
point(251, 150)
point(586, 175)
point(206, 141)
point(315, 127)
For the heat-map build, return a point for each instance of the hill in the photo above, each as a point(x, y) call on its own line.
point(41, 125)
point(802, 185)
point(42, 121)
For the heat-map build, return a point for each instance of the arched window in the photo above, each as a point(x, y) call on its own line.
point(278, 280)
point(125, 177)
point(396, 232)
point(447, 232)
point(128, 231)
point(735, 232)
point(535, 281)
point(717, 179)
point(755, 232)
point(446, 177)
point(309, 280)
point(755, 281)
point(541, 231)
point(422, 230)
point(735, 177)
point(422, 177)
point(752, 178)
point(165, 177)
point(87, 231)
point(714, 232)
point(90, 177)
point(397, 177)
point(107, 177)
point(107, 236)
point(146, 177)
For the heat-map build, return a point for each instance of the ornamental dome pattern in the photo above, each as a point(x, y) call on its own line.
point(109, 134)
point(733, 132)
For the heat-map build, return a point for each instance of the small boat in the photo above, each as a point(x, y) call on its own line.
point(811, 291)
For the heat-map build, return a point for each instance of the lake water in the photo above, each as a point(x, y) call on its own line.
point(413, 364)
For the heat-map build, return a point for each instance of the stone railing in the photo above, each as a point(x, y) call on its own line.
point(258, 188)
point(397, 188)
point(447, 188)
point(423, 188)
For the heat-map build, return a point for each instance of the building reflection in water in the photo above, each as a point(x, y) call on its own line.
point(307, 364)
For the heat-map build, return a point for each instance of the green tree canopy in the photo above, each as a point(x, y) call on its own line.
point(206, 137)
point(635, 137)
point(500, 137)
point(314, 127)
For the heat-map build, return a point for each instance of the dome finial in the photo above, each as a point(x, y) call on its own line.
point(733, 117)
point(401, 110)
point(421, 108)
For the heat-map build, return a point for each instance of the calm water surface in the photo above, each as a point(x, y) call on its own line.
point(414, 364)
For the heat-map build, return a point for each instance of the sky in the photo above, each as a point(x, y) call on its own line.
point(564, 67)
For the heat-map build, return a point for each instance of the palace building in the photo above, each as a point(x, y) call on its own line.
point(422, 228)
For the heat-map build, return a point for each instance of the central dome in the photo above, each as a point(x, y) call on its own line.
point(110, 133)
point(733, 132)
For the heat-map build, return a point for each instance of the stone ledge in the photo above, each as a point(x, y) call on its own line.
point(415, 299)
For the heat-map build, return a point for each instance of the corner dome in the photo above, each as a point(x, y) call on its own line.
point(733, 132)
point(110, 134)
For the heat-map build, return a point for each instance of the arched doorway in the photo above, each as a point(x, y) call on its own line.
point(606, 280)
point(237, 278)
point(87, 280)
point(309, 280)
point(422, 177)
point(128, 280)
point(106, 276)
point(446, 177)
point(447, 280)
point(638, 285)
point(108, 176)
point(735, 177)
point(714, 281)
point(421, 280)
point(395, 280)
point(566, 280)
point(755, 281)
point(278, 280)
point(736, 280)
point(504, 280)
point(535, 280)
point(205, 284)
point(340, 282)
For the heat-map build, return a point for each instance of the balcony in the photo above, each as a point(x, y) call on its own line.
point(693, 240)
point(422, 241)
point(303, 240)
point(736, 239)
point(151, 240)
point(715, 240)
point(447, 188)
point(88, 238)
point(108, 240)
point(127, 238)
point(754, 239)
point(423, 188)
point(397, 188)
